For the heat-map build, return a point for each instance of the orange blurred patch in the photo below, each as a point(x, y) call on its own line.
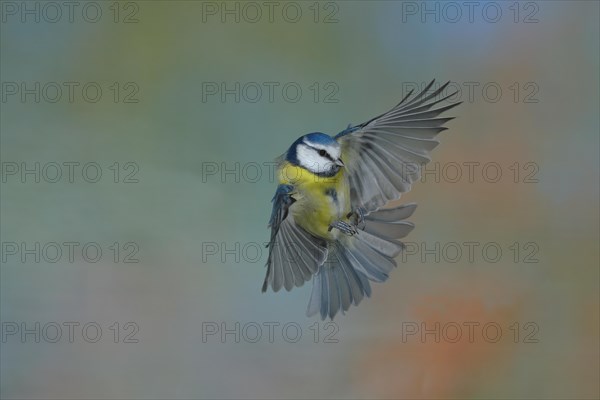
point(416, 366)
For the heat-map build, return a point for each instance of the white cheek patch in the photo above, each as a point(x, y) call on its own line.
point(312, 161)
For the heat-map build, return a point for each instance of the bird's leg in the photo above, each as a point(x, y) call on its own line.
point(343, 227)
point(358, 217)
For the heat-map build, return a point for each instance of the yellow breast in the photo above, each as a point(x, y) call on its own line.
point(319, 200)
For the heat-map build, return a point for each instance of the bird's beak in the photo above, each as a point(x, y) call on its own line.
point(340, 162)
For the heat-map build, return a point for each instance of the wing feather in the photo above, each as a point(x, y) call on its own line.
point(294, 254)
point(385, 155)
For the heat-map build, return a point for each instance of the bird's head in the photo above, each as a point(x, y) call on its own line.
point(317, 152)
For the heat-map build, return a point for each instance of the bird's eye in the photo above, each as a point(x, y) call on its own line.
point(322, 153)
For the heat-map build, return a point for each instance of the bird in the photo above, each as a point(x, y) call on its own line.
point(329, 221)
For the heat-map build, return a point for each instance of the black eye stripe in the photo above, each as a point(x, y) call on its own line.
point(323, 153)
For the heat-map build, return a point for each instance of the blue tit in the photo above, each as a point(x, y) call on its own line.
point(327, 222)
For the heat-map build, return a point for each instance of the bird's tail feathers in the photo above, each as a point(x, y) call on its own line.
point(355, 260)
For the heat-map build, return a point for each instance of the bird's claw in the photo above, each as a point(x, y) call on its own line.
point(358, 216)
point(343, 227)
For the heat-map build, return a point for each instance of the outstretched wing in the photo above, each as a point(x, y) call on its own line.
point(384, 155)
point(294, 254)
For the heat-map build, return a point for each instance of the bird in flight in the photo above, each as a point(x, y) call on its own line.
point(327, 222)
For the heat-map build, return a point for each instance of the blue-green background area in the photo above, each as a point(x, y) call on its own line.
point(371, 54)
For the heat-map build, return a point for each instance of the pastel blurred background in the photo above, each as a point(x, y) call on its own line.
point(357, 60)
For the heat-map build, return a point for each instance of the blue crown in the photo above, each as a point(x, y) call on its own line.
point(319, 138)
